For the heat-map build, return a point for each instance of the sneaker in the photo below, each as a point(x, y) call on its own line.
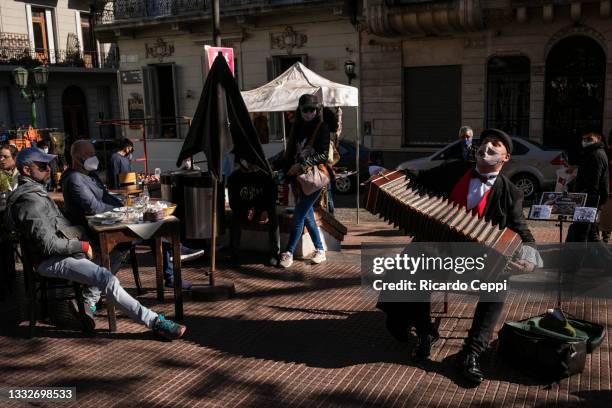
point(167, 328)
point(188, 254)
point(88, 321)
point(286, 259)
point(185, 284)
point(318, 257)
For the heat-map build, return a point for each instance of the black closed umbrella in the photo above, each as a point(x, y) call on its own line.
point(222, 124)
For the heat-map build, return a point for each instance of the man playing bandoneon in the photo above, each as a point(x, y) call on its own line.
point(480, 187)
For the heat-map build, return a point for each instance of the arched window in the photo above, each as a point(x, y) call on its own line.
point(574, 93)
point(508, 85)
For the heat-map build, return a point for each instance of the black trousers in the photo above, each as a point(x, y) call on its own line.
point(418, 315)
point(273, 232)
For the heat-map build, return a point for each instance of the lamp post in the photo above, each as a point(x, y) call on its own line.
point(349, 70)
point(31, 85)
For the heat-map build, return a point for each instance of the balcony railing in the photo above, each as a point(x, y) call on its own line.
point(114, 11)
point(58, 58)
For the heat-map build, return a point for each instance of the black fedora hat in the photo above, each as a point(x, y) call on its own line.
point(499, 135)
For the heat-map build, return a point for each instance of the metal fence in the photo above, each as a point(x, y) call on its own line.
point(108, 12)
point(58, 57)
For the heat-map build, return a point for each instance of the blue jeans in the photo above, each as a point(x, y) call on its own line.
point(88, 273)
point(304, 214)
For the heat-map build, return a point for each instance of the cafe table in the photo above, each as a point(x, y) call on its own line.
point(168, 228)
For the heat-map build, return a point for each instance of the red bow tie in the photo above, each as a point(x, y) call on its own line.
point(483, 179)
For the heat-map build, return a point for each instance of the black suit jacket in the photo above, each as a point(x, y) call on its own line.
point(504, 205)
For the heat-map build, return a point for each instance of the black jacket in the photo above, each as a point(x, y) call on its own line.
point(504, 205)
point(302, 133)
point(592, 175)
point(85, 194)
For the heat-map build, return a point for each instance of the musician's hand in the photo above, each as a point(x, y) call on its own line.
point(521, 266)
point(295, 170)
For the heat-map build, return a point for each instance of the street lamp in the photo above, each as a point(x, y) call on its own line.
point(31, 85)
point(349, 70)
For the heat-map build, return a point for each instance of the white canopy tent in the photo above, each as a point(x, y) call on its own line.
point(282, 95)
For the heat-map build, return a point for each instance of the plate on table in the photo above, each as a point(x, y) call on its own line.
point(123, 209)
point(108, 218)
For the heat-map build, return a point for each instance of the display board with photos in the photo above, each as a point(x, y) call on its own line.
point(560, 204)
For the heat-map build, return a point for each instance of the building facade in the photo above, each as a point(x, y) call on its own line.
point(82, 84)
point(537, 69)
point(162, 57)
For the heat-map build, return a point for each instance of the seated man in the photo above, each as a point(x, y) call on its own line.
point(481, 188)
point(58, 249)
point(252, 197)
point(85, 194)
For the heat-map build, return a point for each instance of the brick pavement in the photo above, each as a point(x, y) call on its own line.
point(300, 337)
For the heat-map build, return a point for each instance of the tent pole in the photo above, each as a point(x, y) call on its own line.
point(216, 17)
point(283, 130)
point(357, 140)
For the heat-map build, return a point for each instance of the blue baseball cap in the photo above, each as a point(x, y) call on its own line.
point(31, 155)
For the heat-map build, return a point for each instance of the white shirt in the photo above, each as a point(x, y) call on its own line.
point(477, 189)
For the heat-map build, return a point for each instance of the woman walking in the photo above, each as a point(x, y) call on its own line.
point(306, 158)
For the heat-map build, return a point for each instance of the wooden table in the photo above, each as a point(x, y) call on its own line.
point(126, 191)
point(111, 235)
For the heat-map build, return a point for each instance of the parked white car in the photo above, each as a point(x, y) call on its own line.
point(532, 168)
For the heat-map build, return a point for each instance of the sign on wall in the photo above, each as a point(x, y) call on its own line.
point(212, 52)
point(132, 76)
point(135, 110)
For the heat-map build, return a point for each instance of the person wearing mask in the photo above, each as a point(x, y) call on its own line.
point(308, 146)
point(85, 194)
point(59, 249)
point(482, 189)
point(592, 179)
point(8, 170)
point(466, 136)
point(120, 162)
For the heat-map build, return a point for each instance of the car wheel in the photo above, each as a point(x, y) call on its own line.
point(343, 185)
point(528, 184)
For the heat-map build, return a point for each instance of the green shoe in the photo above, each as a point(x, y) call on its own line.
point(167, 329)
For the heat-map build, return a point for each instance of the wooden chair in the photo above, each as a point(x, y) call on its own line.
point(35, 283)
point(127, 180)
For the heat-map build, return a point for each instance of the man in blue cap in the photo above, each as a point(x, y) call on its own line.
point(59, 249)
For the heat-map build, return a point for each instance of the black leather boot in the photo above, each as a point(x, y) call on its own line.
point(470, 368)
point(426, 342)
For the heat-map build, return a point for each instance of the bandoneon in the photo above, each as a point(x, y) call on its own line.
point(392, 196)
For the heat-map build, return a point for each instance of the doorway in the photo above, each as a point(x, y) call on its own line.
point(277, 65)
point(161, 102)
point(74, 109)
point(574, 94)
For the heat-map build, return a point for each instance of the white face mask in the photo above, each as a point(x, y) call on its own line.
point(486, 159)
point(308, 116)
point(91, 163)
point(587, 143)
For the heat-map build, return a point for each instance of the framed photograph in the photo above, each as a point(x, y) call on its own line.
point(585, 214)
point(563, 203)
point(540, 212)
